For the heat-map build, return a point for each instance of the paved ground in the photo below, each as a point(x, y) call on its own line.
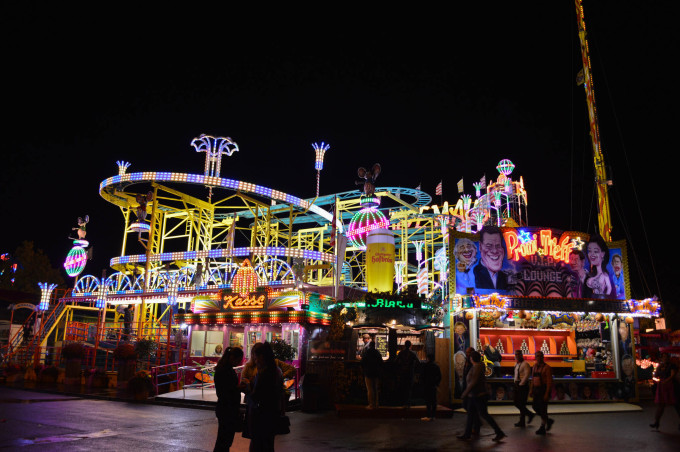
point(43, 421)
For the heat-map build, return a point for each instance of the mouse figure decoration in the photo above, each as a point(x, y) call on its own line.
point(82, 228)
point(369, 178)
point(142, 200)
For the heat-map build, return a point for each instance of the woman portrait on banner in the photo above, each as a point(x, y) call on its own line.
point(599, 282)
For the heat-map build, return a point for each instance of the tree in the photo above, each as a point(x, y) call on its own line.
point(33, 267)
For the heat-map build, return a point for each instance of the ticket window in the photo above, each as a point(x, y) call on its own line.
point(253, 338)
point(214, 343)
point(235, 339)
point(292, 337)
point(207, 343)
point(272, 336)
point(197, 343)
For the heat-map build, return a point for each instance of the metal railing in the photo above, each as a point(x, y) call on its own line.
point(158, 372)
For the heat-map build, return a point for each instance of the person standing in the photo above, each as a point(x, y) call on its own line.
point(477, 392)
point(371, 362)
point(264, 403)
point(127, 322)
point(228, 392)
point(432, 376)
point(406, 368)
point(522, 373)
point(665, 391)
point(541, 385)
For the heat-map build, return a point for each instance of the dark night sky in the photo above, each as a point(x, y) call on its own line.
point(430, 94)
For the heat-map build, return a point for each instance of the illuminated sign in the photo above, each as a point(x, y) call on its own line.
point(256, 300)
point(383, 303)
point(525, 244)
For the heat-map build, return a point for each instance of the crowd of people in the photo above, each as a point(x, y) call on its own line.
point(262, 383)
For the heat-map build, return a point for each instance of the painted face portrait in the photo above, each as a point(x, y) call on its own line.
point(595, 254)
point(575, 262)
point(617, 264)
point(465, 253)
point(492, 252)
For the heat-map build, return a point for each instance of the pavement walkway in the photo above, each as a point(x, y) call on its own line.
point(31, 420)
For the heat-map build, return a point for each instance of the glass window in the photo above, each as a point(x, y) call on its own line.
point(213, 343)
point(197, 343)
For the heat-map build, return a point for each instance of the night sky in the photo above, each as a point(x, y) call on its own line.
point(430, 94)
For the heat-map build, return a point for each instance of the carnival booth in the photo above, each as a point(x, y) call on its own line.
point(563, 293)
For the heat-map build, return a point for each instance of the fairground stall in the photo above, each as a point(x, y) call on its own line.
point(564, 293)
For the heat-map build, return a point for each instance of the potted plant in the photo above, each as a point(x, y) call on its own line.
point(140, 386)
point(97, 378)
point(146, 348)
point(14, 373)
point(282, 350)
point(48, 374)
point(73, 354)
point(126, 355)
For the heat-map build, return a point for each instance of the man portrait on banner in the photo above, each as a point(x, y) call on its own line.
point(488, 274)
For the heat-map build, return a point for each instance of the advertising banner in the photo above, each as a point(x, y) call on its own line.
point(539, 262)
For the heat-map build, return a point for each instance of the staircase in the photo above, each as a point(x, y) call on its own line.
point(22, 351)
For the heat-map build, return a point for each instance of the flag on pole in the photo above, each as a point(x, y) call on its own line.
point(438, 190)
point(460, 185)
point(483, 181)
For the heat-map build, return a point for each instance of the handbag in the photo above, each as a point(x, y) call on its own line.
point(282, 425)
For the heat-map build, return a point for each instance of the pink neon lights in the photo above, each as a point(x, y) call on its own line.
point(542, 243)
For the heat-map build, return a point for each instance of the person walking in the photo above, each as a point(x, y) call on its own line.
point(476, 391)
point(665, 391)
point(522, 373)
point(406, 363)
point(264, 403)
point(371, 363)
point(228, 392)
point(432, 376)
point(541, 385)
point(476, 421)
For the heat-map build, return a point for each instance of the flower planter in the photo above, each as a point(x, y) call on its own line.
point(98, 381)
point(141, 396)
point(126, 370)
point(73, 372)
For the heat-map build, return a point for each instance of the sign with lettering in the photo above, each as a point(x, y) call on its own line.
point(538, 262)
point(385, 303)
point(237, 302)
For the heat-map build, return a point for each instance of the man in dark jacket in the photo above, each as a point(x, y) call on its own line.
point(406, 368)
point(371, 362)
point(432, 375)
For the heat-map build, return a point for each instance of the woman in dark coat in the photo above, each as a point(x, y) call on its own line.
point(228, 392)
point(264, 403)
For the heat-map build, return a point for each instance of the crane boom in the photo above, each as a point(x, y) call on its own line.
point(601, 181)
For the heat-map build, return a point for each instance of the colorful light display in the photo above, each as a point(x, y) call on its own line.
point(245, 280)
point(122, 166)
point(214, 148)
point(108, 186)
point(46, 291)
point(525, 244)
point(366, 220)
point(75, 261)
point(505, 167)
point(320, 150)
